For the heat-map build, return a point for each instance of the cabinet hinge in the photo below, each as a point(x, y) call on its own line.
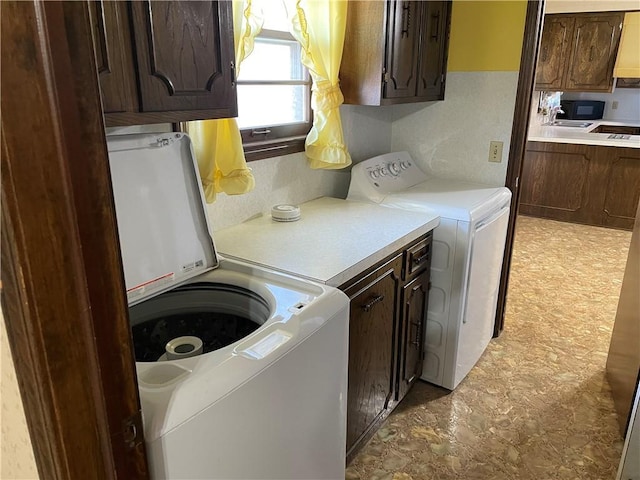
point(517, 182)
point(385, 76)
point(442, 78)
point(132, 430)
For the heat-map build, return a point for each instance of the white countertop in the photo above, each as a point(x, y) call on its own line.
point(548, 133)
point(333, 241)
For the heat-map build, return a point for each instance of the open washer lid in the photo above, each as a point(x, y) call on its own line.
point(162, 222)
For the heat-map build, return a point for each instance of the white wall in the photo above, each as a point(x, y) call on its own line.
point(628, 103)
point(451, 138)
point(367, 130)
point(16, 454)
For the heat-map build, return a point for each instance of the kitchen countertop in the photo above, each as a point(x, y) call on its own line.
point(549, 133)
point(333, 241)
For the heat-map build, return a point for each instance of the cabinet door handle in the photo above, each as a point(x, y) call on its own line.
point(418, 326)
point(377, 299)
point(421, 258)
point(435, 20)
point(233, 74)
point(591, 54)
point(406, 19)
point(264, 131)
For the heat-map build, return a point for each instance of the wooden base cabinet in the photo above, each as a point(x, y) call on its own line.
point(587, 184)
point(372, 349)
point(414, 303)
point(386, 337)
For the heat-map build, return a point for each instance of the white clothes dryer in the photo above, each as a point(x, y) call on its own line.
point(242, 371)
point(468, 248)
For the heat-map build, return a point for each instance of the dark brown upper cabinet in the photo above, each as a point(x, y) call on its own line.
point(436, 21)
point(395, 52)
point(111, 36)
point(556, 37)
point(164, 62)
point(578, 52)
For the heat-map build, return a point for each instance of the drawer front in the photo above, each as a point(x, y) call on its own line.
point(418, 257)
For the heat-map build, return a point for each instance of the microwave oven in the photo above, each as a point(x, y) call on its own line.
point(581, 109)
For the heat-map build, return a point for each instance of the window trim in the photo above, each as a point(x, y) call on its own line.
point(276, 140)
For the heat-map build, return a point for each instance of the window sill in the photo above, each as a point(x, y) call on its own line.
point(273, 148)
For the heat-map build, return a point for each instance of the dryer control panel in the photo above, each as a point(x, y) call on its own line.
point(373, 179)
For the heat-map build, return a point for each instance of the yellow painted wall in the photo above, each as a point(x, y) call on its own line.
point(486, 35)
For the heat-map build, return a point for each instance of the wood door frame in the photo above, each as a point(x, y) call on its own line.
point(62, 281)
point(519, 133)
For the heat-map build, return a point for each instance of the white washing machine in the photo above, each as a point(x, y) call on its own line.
point(242, 371)
point(468, 248)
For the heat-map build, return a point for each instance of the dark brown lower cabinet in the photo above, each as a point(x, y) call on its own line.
point(589, 184)
point(371, 347)
point(414, 302)
point(386, 337)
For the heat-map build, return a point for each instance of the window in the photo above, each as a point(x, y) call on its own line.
point(274, 90)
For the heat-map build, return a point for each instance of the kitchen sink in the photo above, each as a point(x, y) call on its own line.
point(571, 123)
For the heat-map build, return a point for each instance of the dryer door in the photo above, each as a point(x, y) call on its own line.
point(483, 281)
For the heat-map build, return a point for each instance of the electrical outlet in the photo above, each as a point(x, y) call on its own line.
point(495, 151)
point(614, 105)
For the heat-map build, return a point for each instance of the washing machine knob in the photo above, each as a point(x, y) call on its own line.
point(394, 168)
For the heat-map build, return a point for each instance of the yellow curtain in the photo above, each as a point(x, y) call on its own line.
point(217, 143)
point(319, 26)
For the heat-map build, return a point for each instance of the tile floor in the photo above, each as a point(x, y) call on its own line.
point(537, 405)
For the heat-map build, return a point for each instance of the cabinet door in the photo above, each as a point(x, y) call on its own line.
point(114, 59)
point(371, 350)
point(546, 177)
point(414, 310)
point(622, 192)
point(434, 37)
point(185, 55)
point(556, 39)
point(593, 52)
point(403, 26)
